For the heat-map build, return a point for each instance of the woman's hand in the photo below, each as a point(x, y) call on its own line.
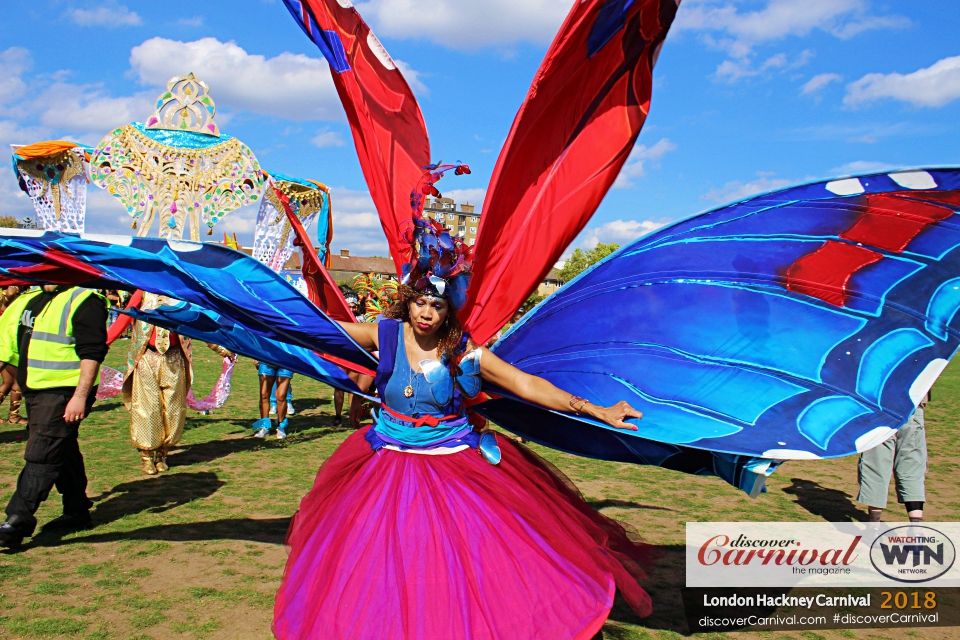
point(615, 416)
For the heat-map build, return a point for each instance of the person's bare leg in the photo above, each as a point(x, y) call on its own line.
point(875, 514)
point(338, 404)
point(9, 375)
point(266, 385)
point(282, 385)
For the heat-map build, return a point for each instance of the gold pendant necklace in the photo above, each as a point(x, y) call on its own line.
point(408, 390)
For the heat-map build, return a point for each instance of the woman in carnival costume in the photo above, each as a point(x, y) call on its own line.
point(420, 526)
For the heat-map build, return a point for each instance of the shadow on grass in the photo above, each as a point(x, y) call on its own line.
point(151, 494)
point(185, 455)
point(106, 405)
point(623, 504)
point(832, 505)
point(13, 433)
point(666, 577)
point(154, 494)
point(270, 530)
point(306, 404)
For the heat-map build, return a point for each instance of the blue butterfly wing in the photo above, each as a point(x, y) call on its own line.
point(438, 377)
point(804, 323)
point(469, 379)
point(199, 324)
point(213, 277)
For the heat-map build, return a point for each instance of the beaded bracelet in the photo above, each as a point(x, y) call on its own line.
point(574, 400)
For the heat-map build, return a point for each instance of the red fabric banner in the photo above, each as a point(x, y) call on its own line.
point(321, 287)
point(388, 128)
point(573, 133)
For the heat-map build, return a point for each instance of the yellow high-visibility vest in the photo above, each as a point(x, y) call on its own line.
point(9, 324)
point(52, 359)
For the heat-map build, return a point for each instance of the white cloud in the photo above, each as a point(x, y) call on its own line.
point(14, 133)
point(619, 231)
point(242, 221)
point(327, 138)
point(412, 76)
point(933, 86)
point(738, 32)
point(735, 190)
point(733, 70)
point(356, 225)
point(467, 25)
point(468, 196)
point(13, 201)
point(641, 153)
point(109, 15)
point(862, 166)
point(868, 133)
point(819, 81)
point(105, 214)
point(195, 21)
point(779, 19)
point(86, 109)
point(13, 63)
point(288, 85)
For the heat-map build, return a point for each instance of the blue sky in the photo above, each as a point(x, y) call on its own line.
point(749, 95)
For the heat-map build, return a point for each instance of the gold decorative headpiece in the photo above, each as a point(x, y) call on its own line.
point(186, 105)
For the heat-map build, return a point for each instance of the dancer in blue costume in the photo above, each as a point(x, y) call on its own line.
point(421, 526)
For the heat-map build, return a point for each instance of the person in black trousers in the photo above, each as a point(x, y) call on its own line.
point(61, 339)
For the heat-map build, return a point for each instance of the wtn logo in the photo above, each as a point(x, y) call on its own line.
point(912, 554)
point(900, 553)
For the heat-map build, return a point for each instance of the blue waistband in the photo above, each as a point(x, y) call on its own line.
point(391, 430)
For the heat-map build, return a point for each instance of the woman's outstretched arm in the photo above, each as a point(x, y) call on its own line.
point(365, 333)
point(544, 393)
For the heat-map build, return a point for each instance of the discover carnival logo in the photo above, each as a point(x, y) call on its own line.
point(821, 554)
point(744, 550)
point(913, 553)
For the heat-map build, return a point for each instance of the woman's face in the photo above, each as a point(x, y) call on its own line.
point(427, 314)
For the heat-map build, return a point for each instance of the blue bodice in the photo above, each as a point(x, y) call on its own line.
point(435, 396)
point(423, 402)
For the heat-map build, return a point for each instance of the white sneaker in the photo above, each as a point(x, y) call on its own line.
point(273, 410)
point(261, 433)
point(290, 409)
point(281, 435)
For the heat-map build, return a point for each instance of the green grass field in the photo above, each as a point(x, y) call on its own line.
point(198, 552)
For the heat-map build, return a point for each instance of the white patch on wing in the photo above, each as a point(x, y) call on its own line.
point(380, 52)
point(846, 187)
point(873, 437)
point(123, 241)
point(184, 246)
point(913, 179)
point(22, 233)
point(924, 381)
point(789, 454)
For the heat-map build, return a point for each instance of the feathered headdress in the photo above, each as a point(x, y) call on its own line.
point(440, 264)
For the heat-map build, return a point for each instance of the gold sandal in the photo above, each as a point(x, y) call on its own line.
point(16, 400)
point(161, 460)
point(147, 465)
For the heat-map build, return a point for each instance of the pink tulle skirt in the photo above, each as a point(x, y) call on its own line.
point(399, 545)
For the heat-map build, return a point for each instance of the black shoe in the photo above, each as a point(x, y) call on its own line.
point(336, 421)
point(10, 536)
point(74, 522)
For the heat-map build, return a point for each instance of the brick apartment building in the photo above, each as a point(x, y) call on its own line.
point(461, 222)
